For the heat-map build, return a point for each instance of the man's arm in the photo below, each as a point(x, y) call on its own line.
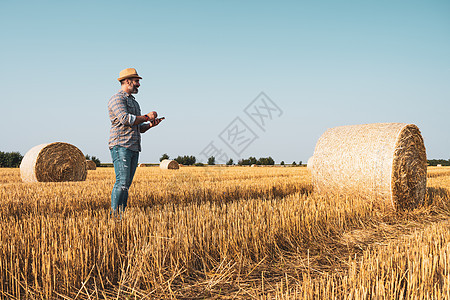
point(145, 118)
point(144, 127)
point(141, 119)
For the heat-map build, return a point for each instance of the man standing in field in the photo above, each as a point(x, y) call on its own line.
point(127, 124)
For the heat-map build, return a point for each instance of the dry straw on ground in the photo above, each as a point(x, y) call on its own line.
point(169, 164)
point(90, 165)
point(53, 162)
point(385, 161)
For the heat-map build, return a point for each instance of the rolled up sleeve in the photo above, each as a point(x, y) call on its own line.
point(131, 119)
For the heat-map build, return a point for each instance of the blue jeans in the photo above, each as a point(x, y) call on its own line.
point(125, 162)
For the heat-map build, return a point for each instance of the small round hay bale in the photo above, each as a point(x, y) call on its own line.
point(141, 165)
point(387, 161)
point(168, 164)
point(90, 165)
point(53, 162)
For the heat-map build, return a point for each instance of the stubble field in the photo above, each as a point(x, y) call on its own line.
point(220, 233)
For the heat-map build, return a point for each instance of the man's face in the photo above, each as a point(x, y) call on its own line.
point(133, 85)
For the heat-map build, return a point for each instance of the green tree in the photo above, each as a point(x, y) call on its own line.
point(294, 163)
point(230, 162)
point(282, 163)
point(10, 159)
point(3, 159)
point(212, 161)
point(244, 162)
point(163, 157)
point(186, 160)
point(249, 161)
point(266, 161)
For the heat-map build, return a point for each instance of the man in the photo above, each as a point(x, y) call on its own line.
point(127, 124)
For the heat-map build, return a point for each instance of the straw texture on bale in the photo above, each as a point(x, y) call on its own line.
point(168, 164)
point(385, 161)
point(309, 164)
point(53, 162)
point(90, 165)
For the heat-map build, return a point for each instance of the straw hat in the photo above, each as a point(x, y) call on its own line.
point(128, 73)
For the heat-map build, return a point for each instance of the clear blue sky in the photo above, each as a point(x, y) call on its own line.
point(323, 63)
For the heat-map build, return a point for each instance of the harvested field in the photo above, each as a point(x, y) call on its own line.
point(438, 171)
point(218, 233)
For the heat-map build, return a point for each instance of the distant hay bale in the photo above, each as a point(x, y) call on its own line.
point(53, 162)
point(141, 165)
point(439, 165)
point(168, 164)
point(386, 161)
point(90, 165)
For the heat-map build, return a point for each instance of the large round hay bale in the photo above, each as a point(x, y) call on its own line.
point(90, 165)
point(168, 164)
point(385, 161)
point(53, 162)
point(310, 162)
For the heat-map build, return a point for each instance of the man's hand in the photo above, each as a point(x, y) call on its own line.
point(155, 122)
point(152, 115)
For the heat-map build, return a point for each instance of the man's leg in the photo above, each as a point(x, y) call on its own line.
point(134, 157)
point(123, 168)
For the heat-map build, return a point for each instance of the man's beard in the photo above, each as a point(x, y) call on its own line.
point(134, 90)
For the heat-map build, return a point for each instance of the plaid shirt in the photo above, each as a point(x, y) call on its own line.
point(123, 109)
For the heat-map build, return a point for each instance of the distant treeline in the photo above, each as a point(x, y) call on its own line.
point(435, 162)
point(189, 160)
point(264, 161)
point(10, 159)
